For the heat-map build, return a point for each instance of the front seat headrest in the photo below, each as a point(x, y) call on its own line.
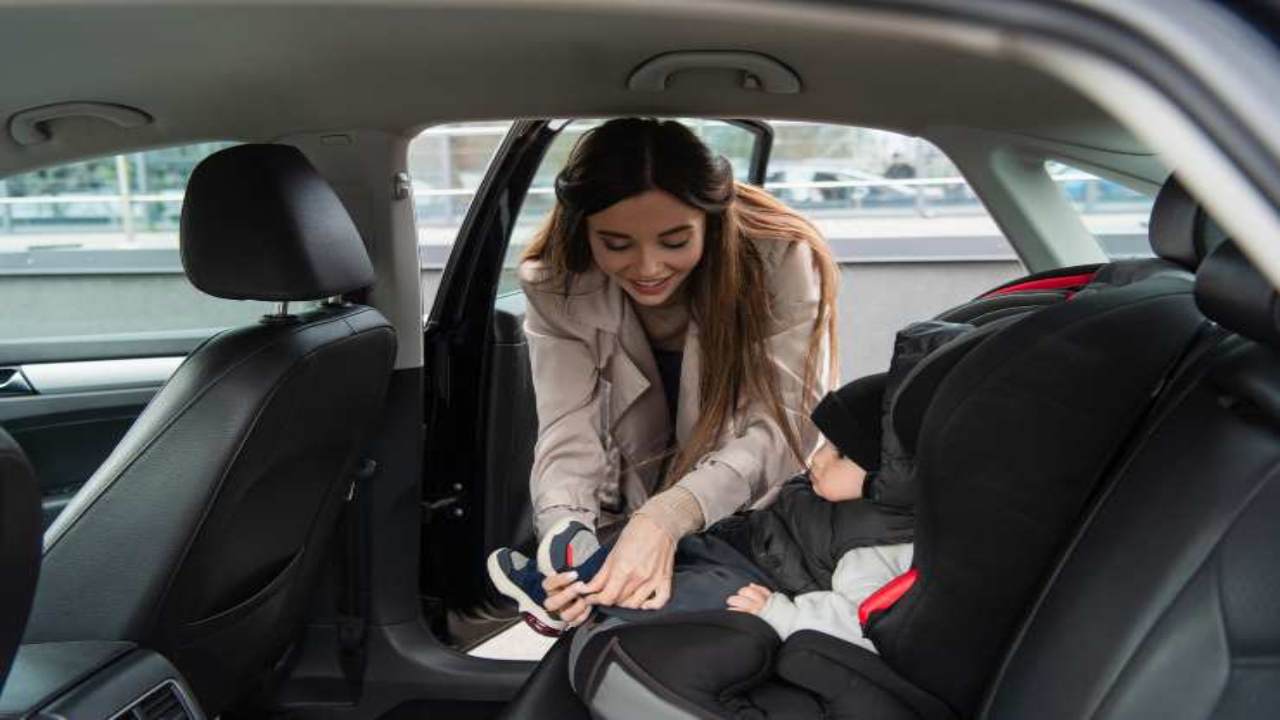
point(1181, 231)
point(1231, 292)
point(260, 223)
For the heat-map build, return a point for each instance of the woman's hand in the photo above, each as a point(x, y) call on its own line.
point(750, 599)
point(637, 572)
point(564, 598)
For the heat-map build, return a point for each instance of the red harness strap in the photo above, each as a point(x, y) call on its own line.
point(886, 596)
point(1062, 282)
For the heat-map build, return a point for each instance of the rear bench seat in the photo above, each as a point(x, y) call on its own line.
point(1168, 603)
point(1012, 450)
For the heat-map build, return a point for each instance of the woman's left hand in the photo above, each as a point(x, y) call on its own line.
point(637, 572)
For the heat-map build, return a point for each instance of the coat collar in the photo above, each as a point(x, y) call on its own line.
point(597, 302)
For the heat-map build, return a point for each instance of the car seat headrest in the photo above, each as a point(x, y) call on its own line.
point(920, 385)
point(1231, 292)
point(260, 223)
point(1181, 231)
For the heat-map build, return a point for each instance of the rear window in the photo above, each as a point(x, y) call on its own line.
point(1117, 215)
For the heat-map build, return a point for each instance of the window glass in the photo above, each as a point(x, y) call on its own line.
point(1116, 215)
point(910, 236)
point(880, 196)
point(447, 164)
point(91, 248)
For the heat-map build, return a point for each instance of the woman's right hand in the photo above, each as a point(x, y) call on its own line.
point(564, 598)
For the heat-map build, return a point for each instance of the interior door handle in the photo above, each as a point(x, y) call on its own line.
point(13, 382)
point(759, 72)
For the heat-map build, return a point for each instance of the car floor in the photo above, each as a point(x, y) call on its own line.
point(517, 641)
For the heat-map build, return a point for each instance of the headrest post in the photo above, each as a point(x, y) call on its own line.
point(282, 309)
point(335, 301)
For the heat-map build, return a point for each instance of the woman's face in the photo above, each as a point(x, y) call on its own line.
point(648, 244)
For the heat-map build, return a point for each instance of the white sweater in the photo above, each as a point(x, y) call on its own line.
point(861, 572)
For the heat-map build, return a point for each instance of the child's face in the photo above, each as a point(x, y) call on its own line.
point(834, 476)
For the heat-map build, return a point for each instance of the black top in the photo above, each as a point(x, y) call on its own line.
point(669, 369)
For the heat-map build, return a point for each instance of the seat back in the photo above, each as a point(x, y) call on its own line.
point(1010, 449)
point(1167, 604)
point(20, 525)
point(201, 535)
point(1015, 442)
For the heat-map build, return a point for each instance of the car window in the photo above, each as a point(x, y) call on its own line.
point(880, 196)
point(1116, 215)
point(910, 236)
point(91, 248)
point(447, 164)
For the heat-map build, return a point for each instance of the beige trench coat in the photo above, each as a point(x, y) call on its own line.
point(602, 414)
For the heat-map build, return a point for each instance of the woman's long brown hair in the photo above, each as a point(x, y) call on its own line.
point(728, 291)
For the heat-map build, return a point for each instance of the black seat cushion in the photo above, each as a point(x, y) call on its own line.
point(20, 527)
point(850, 681)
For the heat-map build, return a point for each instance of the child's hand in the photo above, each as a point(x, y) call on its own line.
point(750, 599)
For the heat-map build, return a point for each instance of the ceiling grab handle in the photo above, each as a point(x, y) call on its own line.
point(759, 72)
point(31, 127)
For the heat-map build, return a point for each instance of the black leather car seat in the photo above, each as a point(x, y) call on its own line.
point(201, 534)
point(20, 525)
point(1168, 604)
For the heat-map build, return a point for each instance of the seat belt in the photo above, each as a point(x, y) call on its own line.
point(353, 598)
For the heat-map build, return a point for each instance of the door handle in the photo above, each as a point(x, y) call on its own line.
point(13, 382)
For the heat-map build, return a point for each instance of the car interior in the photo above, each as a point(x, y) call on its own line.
point(283, 509)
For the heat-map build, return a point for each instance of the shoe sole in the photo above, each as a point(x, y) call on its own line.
point(534, 615)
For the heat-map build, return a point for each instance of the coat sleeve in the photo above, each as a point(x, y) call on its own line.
point(569, 457)
point(755, 458)
point(860, 573)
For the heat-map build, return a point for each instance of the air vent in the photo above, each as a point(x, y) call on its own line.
point(163, 703)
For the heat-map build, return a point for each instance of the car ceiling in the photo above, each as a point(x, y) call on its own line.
point(271, 69)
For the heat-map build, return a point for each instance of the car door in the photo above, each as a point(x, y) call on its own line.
point(480, 413)
point(95, 312)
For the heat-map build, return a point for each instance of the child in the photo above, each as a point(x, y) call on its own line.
point(859, 573)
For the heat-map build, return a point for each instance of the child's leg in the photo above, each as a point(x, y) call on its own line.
point(516, 577)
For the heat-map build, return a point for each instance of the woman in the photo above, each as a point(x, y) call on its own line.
point(678, 323)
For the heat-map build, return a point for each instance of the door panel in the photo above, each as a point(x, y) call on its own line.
point(68, 401)
point(512, 427)
point(66, 448)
